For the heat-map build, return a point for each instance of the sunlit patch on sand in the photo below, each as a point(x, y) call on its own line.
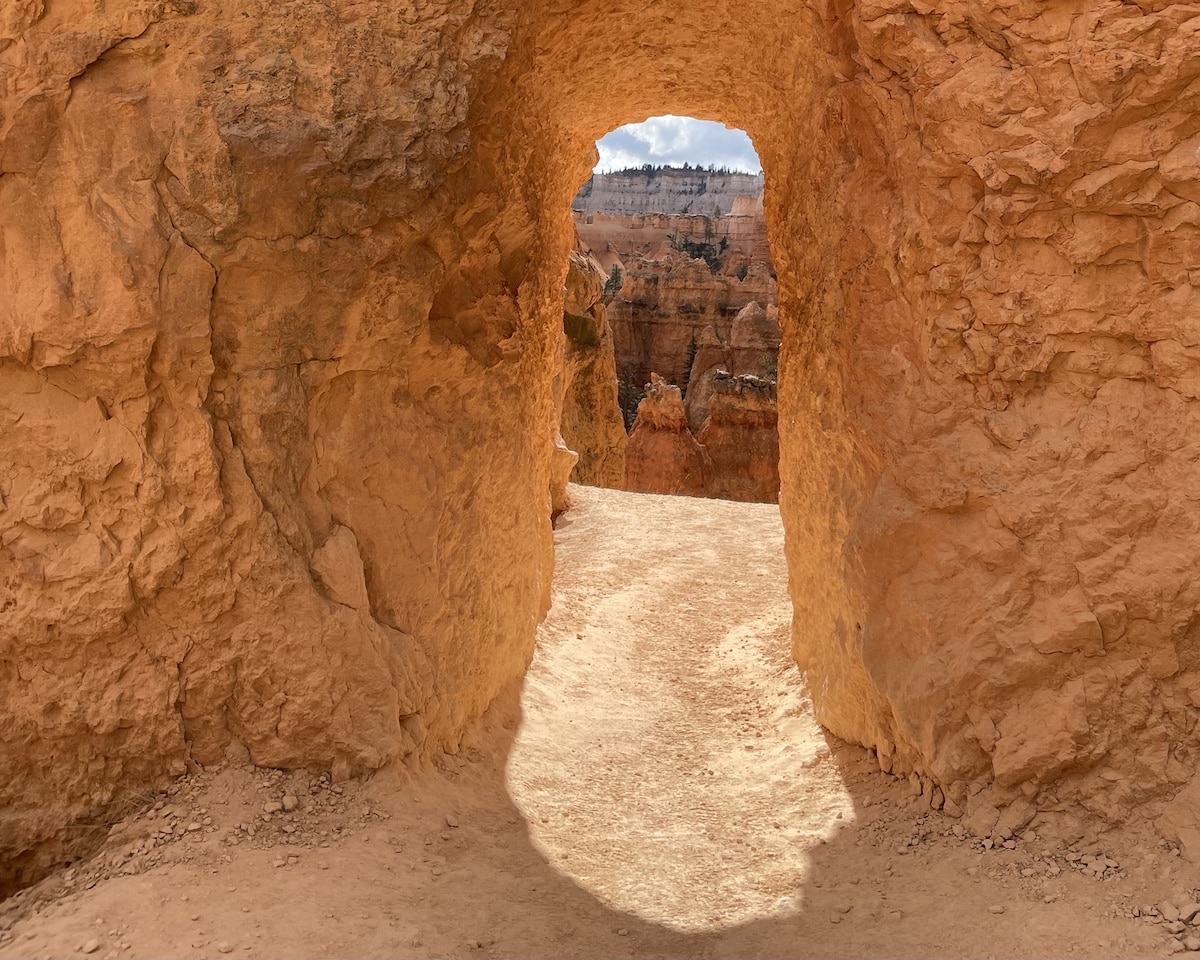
point(668, 761)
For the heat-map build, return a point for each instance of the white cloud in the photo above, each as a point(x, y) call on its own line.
point(671, 140)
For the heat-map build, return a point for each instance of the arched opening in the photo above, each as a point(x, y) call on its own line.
point(672, 218)
point(667, 759)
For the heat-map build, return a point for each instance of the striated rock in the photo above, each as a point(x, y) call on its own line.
point(663, 456)
point(669, 190)
point(740, 235)
point(741, 440)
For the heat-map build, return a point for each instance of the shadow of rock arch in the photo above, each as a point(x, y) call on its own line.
point(279, 394)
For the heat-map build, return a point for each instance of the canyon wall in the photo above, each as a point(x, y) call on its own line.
point(684, 277)
point(668, 190)
point(279, 337)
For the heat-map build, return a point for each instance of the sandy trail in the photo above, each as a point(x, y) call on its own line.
point(657, 788)
point(663, 721)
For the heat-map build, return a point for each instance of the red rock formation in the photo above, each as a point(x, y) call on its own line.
point(684, 278)
point(666, 305)
point(741, 440)
point(662, 455)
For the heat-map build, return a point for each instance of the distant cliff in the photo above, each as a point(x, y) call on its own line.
point(671, 191)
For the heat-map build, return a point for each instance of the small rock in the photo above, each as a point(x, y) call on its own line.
point(1188, 911)
point(622, 932)
point(1168, 911)
point(1175, 926)
point(1191, 943)
point(91, 946)
point(996, 909)
point(225, 947)
point(290, 802)
point(193, 827)
point(272, 806)
point(451, 821)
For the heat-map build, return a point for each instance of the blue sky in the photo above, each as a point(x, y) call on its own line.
point(674, 140)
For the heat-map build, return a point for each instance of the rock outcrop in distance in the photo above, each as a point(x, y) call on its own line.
point(684, 277)
point(735, 456)
point(663, 456)
point(694, 300)
point(740, 437)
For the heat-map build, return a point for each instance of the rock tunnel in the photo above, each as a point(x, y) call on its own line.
point(281, 314)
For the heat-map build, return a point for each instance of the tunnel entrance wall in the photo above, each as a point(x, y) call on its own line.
point(278, 344)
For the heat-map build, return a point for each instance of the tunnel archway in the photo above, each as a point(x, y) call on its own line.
point(239, 512)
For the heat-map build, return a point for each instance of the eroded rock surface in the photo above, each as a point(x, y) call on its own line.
point(749, 346)
point(281, 270)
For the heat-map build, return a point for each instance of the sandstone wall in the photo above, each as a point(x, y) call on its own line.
point(282, 307)
point(1019, 404)
point(254, 439)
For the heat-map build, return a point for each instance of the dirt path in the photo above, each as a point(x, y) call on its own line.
point(657, 789)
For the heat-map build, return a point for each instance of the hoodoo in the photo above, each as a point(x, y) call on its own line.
point(282, 315)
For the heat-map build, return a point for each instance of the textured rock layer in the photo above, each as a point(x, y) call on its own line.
point(281, 312)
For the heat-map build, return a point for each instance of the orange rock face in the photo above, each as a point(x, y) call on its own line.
point(271, 272)
point(734, 457)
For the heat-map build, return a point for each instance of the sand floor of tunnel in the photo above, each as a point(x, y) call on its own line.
point(656, 787)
